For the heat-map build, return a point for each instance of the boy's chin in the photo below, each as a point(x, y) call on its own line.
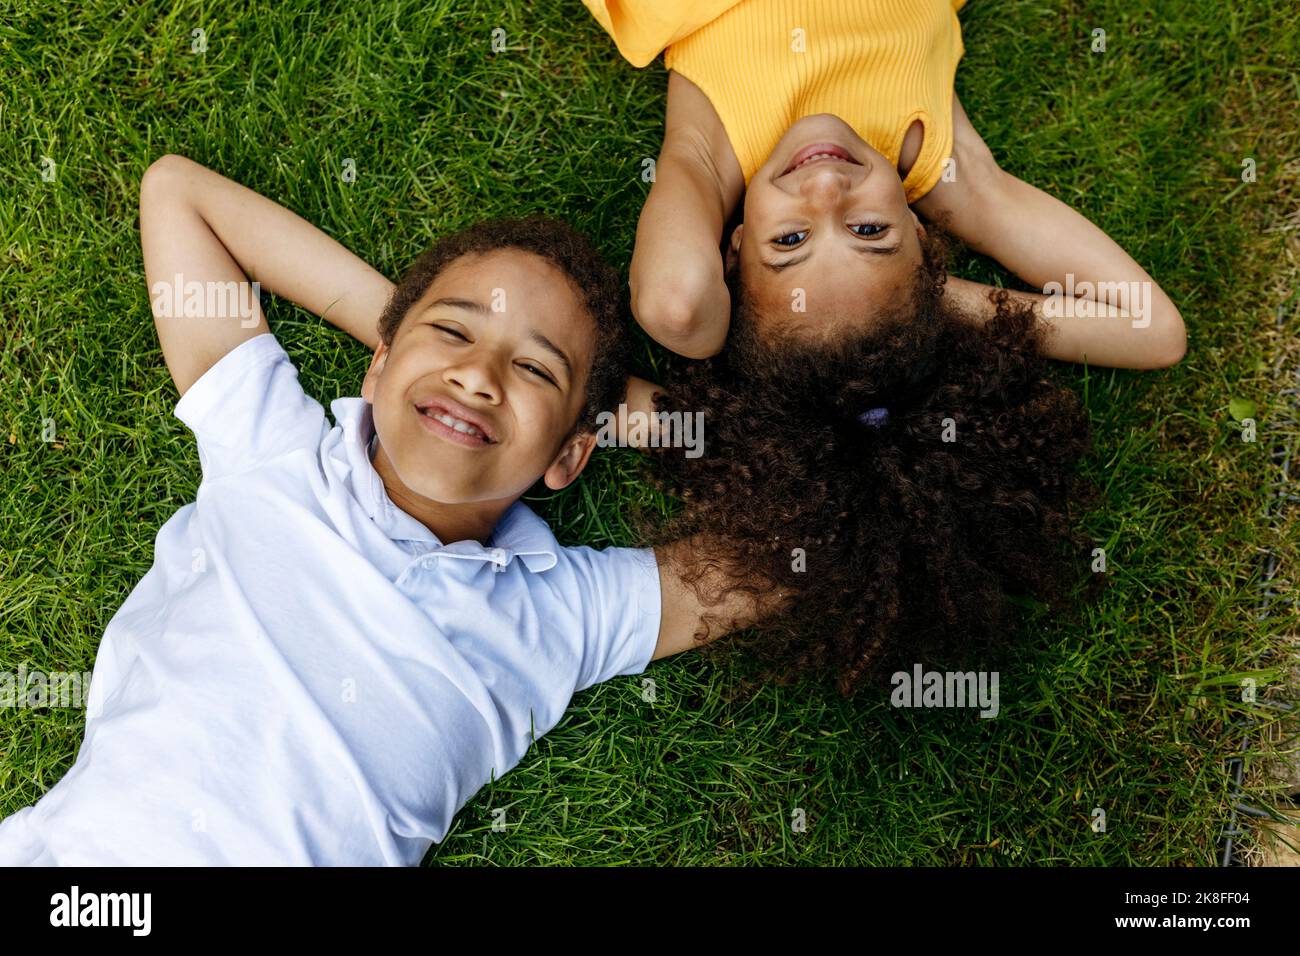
point(468, 492)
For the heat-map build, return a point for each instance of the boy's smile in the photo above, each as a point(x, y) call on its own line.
point(478, 394)
point(456, 423)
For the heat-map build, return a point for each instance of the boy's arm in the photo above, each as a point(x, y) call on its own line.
point(1042, 240)
point(201, 226)
point(677, 288)
point(683, 615)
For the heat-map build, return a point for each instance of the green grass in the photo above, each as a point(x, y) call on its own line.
point(1130, 710)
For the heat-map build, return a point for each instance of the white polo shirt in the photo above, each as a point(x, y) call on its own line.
point(306, 675)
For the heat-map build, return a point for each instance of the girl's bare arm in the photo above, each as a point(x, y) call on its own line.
point(677, 288)
point(1127, 321)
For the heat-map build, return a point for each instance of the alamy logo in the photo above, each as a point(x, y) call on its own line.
point(213, 300)
point(47, 689)
point(1086, 299)
point(102, 909)
point(651, 430)
point(946, 689)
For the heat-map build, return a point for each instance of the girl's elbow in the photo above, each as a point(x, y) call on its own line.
point(164, 178)
point(672, 319)
point(664, 313)
point(1175, 344)
point(1177, 353)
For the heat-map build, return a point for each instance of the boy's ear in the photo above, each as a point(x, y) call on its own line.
point(570, 461)
point(372, 374)
point(733, 248)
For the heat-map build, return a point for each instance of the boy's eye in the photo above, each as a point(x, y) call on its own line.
point(875, 227)
point(538, 372)
point(797, 236)
point(447, 328)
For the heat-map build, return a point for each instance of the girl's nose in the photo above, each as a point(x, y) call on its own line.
point(828, 182)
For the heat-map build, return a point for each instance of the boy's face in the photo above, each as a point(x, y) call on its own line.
point(498, 349)
point(834, 237)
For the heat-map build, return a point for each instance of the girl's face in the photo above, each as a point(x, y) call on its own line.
point(828, 239)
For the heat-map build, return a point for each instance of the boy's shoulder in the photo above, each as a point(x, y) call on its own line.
point(608, 598)
point(249, 407)
point(527, 535)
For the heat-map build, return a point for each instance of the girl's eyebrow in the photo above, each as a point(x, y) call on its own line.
point(864, 249)
point(778, 266)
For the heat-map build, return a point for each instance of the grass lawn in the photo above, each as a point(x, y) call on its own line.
point(1131, 710)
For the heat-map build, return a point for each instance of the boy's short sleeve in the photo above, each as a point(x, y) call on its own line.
point(249, 408)
point(621, 609)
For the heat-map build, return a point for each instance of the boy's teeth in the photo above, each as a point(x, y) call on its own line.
point(456, 423)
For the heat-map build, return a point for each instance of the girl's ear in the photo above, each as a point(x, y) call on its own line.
point(733, 248)
point(570, 461)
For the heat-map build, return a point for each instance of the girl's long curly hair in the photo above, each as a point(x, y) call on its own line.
point(908, 543)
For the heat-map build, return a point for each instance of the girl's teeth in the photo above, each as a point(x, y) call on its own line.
point(819, 156)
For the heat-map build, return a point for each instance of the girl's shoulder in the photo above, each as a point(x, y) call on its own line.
point(691, 118)
point(642, 29)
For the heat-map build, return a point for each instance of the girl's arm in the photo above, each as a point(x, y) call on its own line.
point(1121, 318)
point(639, 401)
point(677, 288)
point(201, 226)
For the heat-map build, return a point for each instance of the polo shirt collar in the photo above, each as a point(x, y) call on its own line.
point(520, 532)
point(527, 536)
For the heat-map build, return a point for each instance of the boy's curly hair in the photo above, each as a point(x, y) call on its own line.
point(904, 544)
point(598, 284)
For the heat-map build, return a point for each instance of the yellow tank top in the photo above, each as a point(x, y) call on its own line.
point(877, 64)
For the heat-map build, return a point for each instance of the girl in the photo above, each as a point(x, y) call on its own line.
point(829, 126)
point(902, 487)
point(883, 446)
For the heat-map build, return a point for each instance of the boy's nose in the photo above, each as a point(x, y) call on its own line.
point(476, 379)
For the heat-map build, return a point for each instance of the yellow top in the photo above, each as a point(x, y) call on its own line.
point(877, 64)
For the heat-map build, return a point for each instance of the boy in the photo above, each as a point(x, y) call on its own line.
point(355, 627)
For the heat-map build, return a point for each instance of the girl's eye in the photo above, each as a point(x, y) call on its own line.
point(791, 235)
point(876, 227)
point(538, 372)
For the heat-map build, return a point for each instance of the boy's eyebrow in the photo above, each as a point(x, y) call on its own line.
point(550, 346)
point(536, 336)
point(865, 250)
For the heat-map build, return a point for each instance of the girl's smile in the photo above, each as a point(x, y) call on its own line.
point(819, 153)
